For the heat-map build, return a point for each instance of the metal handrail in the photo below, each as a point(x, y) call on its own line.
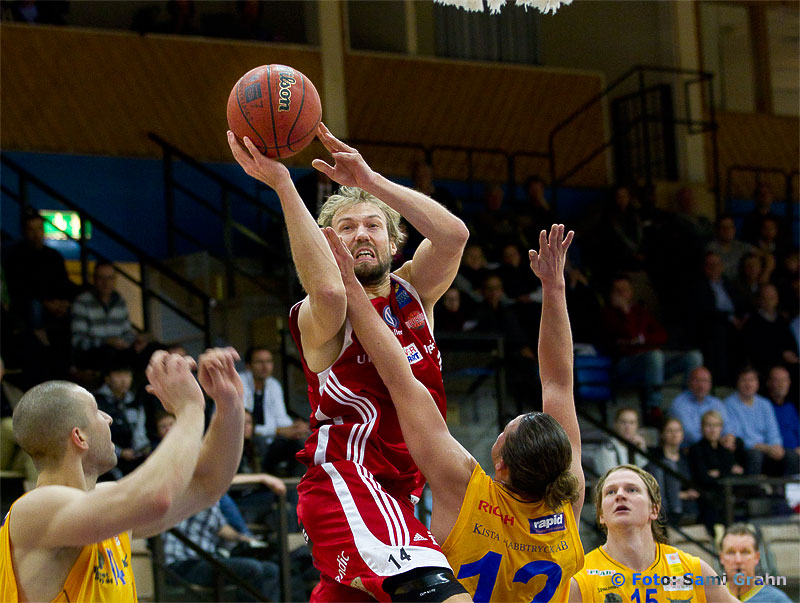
point(639, 71)
point(145, 260)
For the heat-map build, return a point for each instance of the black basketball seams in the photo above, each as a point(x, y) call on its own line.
point(297, 118)
point(244, 115)
point(272, 113)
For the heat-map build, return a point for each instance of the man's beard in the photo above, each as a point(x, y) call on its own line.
point(372, 274)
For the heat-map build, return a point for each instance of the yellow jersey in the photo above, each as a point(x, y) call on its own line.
point(101, 573)
point(502, 548)
point(673, 576)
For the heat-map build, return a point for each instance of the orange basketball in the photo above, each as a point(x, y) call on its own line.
point(277, 107)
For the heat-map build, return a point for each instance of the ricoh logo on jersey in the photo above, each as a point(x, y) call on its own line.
point(547, 524)
point(492, 510)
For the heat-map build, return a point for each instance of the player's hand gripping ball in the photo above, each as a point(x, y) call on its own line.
point(277, 107)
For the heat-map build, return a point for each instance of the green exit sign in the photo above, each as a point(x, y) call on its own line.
point(59, 224)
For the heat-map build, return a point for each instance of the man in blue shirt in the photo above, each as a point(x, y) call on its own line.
point(739, 555)
point(751, 418)
point(779, 383)
point(689, 406)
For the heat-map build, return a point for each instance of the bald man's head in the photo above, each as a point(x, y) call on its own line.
point(46, 415)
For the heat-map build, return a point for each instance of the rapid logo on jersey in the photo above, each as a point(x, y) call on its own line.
point(547, 524)
point(412, 353)
point(390, 318)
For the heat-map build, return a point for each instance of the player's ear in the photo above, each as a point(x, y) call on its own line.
point(393, 248)
point(654, 511)
point(78, 438)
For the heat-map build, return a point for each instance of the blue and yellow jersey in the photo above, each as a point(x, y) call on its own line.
point(672, 577)
point(101, 573)
point(506, 549)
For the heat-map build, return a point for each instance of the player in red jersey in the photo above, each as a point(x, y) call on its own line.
point(357, 497)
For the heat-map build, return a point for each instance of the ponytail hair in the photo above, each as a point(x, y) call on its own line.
point(563, 488)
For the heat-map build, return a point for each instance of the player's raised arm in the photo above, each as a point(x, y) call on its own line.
point(444, 462)
point(54, 516)
point(322, 317)
point(221, 450)
point(437, 259)
point(555, 344)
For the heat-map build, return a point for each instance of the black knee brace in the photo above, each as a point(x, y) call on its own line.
point(423, 585)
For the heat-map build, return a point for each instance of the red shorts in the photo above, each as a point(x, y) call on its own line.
point(358, 533)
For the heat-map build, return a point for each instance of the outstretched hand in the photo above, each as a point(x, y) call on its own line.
point(172, 382)
point(255, 163)
point(217, 374)
point(548, 263)
point(349, 168)
point(342, 255)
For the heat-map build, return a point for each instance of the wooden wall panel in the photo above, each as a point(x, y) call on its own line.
point(98, 92)
point(446, 102)
point(757, 140)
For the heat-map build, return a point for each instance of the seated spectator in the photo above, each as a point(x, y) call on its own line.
point(730, 249)
point(751, 225)
point(754, 271)
point(690, 405)
point(768, 339)
point(129, 427)
point(473, 272)
point(46, 350)
point(263, 396)
point(677, 499)
point(495, 314)
point(533, 213)
point(100, 323)
point(494, 223)
point(31, 269)
point(453, 314)
point(769, 243)
point(614, 452)
point(786, 277)
point(256, 498)
point(519, 282)
point(633, 338)
point(753, 420)
point(779, 383)
point(620, 240)
point(739, 554)
point(209, 530)
point(710, 460)
point(720, 314)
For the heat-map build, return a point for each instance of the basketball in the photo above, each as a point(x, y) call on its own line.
point(277, 107)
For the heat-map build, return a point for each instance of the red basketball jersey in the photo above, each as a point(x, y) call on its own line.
point(352, 415)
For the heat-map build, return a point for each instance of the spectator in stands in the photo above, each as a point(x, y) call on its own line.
point(254, 501)
point(209, 530)
point(454, 314)
point(45, 352)
point(473, 272)
point(263, 397)
point(719, 320)
point(779, 383)
point(677, 498)
point(31, 269)
point(769, 243)
point(129, 427)
point(752, 419)
point(767, 336)
point(710, 460)
point(494, 224)
point(583, 301)
point(692, 229)
point(689, 406)
point(622, 234)
point(12, 457)
point(533, 213)
point(100, 323)
point(755, 270)
point(739, 555)
point(519, 283)
point(614, 452)
point(422, 180)
point(751, 225)
point(495, 314)
point(633, 337)
point(786, 278)
point(730, 249)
